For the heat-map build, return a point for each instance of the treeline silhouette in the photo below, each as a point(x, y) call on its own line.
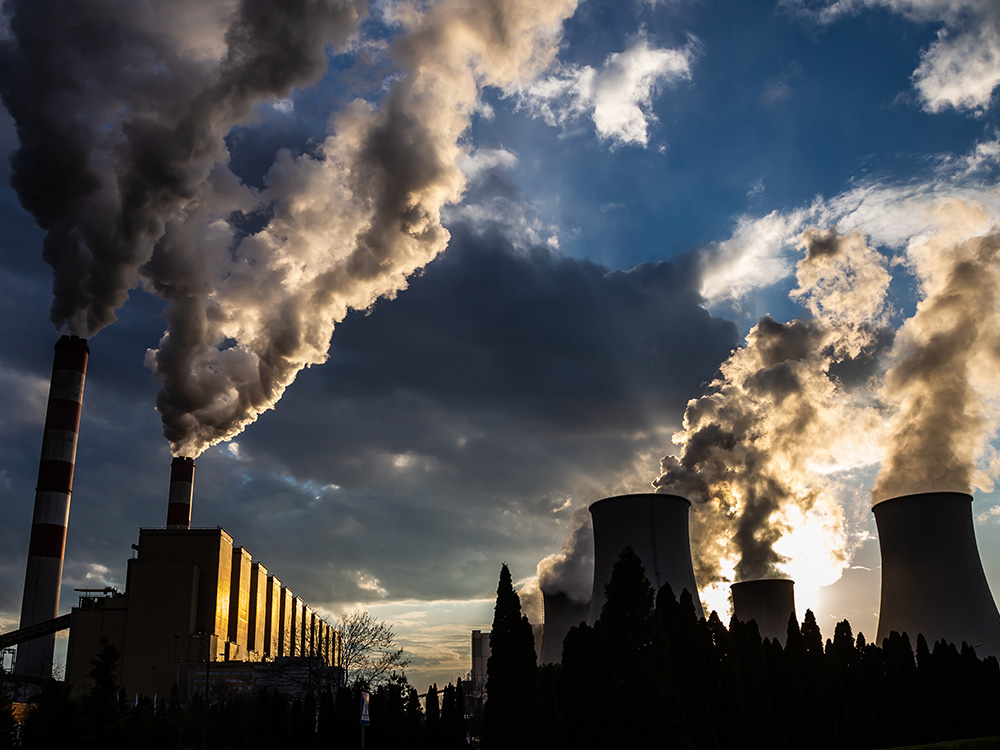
point(104, 718)
point(650, 674)
point(647, 674)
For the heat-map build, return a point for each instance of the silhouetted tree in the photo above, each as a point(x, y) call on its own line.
point(432, 722)
point(512, 675)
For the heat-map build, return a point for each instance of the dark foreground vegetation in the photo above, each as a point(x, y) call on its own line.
point(105, 720)
point(649, 674)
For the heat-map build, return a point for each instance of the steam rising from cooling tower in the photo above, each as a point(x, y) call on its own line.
point(656, 527)
point(571, 570)
point(778, 418)
point(944, 365)
point(140, 99)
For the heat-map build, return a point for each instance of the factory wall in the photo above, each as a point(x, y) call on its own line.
point(258, 610)
point(189, 593)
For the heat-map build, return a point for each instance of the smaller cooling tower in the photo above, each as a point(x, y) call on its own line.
point(656, 527)
point(769, 602)
point(932, 578)
point(561, 614)
point(181, 493)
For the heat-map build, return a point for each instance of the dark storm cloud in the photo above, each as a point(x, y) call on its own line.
point(456, 420)
point(444, 435)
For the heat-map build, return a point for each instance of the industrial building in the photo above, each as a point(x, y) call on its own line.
point(190, 593)
point(192, 599)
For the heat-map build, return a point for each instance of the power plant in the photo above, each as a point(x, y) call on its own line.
point(656, 527)
point(932, 576)
point(769, 602)
point(191, 599)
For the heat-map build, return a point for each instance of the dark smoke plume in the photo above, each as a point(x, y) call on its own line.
point(121, 109)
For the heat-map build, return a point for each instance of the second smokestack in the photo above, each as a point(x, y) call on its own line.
point(181, 493)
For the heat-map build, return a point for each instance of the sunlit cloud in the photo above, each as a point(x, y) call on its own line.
point(961, 68)
point(618, 97)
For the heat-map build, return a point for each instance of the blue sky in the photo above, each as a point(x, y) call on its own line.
point(573, 224)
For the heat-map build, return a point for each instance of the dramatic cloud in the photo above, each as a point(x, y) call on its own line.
point(961, 68)
point(759, 251)
point(618, 97)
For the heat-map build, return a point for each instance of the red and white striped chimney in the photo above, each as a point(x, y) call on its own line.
point(47, 545)
point(181, 492)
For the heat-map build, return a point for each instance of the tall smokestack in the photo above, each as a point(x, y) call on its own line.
point(181, 492)
point(769, 602)
point(656, 527)
point(561, 614)
point(47, 544)
point(932, 577)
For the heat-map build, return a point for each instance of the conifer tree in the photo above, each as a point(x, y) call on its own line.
point(432, 723)
point(511, 713)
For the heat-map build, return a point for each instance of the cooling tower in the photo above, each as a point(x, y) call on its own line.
point(181, 492)
point(932, 578)
point(561, 614)
point(43, 575)
point(769, 602)
point(656, 527)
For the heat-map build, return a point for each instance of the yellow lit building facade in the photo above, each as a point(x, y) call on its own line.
point(190, 592)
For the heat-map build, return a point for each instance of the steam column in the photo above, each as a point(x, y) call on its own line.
point(181, 492)
point(47, 544)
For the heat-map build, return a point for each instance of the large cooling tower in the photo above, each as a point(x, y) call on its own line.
point(47, 543)
point(561, 614)
point(181, 492)
point(932, 578)
point(656, 527)
point(769, 602)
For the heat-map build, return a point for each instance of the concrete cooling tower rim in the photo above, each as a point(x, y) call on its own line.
point(656, 526)
point(933, 582)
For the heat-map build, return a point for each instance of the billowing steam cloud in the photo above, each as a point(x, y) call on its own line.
point(570, 571)
point(255, 280)
point(782, 413)
point(943, 368)
point(121, 109)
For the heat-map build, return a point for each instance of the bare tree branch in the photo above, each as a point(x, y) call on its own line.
point(371, 656)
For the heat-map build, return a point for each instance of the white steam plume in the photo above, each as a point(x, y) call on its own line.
point(570, 571)
point(759, 449)
point(121, 109)
point(340, 228)
point(942, 375)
